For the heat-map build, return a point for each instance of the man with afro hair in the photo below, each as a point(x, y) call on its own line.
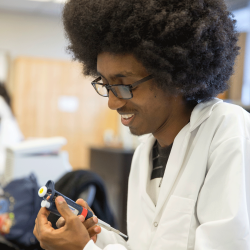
point(162, 63)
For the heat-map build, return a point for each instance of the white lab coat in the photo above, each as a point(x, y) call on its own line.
point(204, 199)
point(10, 133)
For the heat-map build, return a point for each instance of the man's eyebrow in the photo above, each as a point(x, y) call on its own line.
point(118, 75)
point(124, 74)
point(101, 75)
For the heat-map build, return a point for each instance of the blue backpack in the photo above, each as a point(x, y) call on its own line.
point(22, 204)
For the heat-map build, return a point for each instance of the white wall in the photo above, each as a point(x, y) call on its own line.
point(36, 35)
point(32, 35)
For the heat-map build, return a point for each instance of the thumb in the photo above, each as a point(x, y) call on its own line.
point(82, 203)
point(63, 208)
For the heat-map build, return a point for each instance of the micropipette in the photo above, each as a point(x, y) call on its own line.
point(49, 194)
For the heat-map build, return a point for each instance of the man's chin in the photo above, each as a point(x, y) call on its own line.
point(136, 132)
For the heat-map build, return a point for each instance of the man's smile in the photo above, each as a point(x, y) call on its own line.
point(126, 119)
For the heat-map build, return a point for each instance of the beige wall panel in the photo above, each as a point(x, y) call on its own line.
point(236, 80)
point(37, 86)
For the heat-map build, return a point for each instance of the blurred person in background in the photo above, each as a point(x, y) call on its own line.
point(162, 63)
point(10, 133)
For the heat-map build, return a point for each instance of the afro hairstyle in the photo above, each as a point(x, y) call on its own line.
point(189, 46)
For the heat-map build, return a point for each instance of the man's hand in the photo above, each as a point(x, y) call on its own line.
point(90, 224)
point(72, 236)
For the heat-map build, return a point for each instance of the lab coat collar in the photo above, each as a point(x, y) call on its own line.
point(201, 112)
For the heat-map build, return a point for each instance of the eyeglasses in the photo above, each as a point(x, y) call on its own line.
point(120, 91)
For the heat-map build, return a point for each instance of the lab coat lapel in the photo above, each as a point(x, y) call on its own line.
point(177, 156)
point(173, 167)
point(145, 164)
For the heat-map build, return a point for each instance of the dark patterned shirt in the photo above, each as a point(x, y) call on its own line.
point(159, 161)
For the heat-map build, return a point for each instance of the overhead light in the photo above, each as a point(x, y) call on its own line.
point(40, 0)
point(55, 1)
point(60, 1)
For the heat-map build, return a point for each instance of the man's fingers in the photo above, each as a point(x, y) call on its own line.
point(94, 238)
point(35, 232)
point(81, 218)
point(36, 229)
point(82, 203)
point(60, 222)
point(42, 217)
point(42, 225)
point(94, 230)
point(90, 222)
point(63, 208)
point(43, 214)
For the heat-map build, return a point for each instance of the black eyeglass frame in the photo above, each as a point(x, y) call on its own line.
point(130, 87)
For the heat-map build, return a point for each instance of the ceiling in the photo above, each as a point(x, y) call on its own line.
point(45, 7)
point(54, 7)
point(237, 4)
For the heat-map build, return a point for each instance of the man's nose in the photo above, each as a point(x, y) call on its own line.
point(114, 102)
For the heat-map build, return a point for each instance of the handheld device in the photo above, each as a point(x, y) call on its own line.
point(49, 194)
